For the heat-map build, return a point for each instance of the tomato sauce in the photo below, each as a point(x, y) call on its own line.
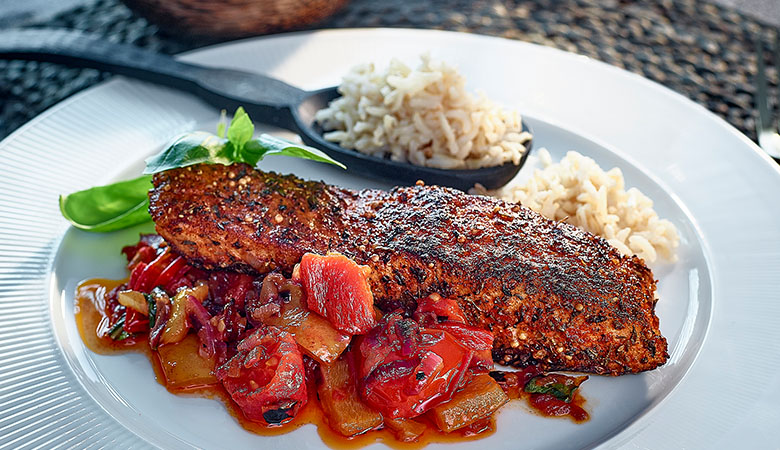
point(92, 319)
point(545, 405)
point(550, 406)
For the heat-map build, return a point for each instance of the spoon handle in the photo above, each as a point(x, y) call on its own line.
point(266, 99)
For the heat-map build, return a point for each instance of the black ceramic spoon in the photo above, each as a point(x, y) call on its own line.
point(267, 100)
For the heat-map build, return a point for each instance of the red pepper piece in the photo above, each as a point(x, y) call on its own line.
point(439, 308)
point(472, 337)
point(168, 274)
point(179, 279)
point(445, 314)
point(143, 255)
point(147, 278)
point(403, 380)
point(476, 339)
point(135, 275)
point(144, 251)
point(266, 377)
point(135, 322)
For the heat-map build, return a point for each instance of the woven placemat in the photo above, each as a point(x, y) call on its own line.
point(698, 49)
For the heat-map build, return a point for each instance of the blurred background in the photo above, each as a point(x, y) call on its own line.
point(705, 50)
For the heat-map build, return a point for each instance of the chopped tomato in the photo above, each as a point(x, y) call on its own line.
point(445, 314)
point(406, 370)
point(435, 308)
point(135, 322)
point(337, 289)
point(266, 378)
point(175, 270)
point(147, 278)
point(472, 337)
point(476, 339)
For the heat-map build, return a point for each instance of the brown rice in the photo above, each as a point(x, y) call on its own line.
point(423, 116)
point(580, 192)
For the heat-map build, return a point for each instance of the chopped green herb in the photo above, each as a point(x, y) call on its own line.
point(117, 332)
point(561, 387)
point(152, 306)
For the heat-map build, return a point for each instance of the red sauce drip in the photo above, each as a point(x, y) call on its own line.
point(550, 406)
point(546, 405)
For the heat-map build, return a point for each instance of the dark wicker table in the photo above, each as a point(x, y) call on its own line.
point(701, 50)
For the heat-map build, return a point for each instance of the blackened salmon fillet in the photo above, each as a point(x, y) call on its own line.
point(553, 295)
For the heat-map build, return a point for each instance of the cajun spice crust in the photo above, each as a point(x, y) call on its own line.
point(553, 295)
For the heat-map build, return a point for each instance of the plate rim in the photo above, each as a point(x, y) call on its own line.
point(678, 97)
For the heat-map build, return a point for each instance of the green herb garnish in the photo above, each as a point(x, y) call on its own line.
point(108, 208)
point(117, 332)
point(151, 304)
point(561, 387)
point(125, 203)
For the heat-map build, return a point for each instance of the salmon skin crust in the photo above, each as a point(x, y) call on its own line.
point(553, 295)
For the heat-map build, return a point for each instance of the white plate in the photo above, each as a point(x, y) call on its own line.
point(718, 304)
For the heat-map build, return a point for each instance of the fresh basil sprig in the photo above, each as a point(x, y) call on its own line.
point(125, 203)
point(239, 147)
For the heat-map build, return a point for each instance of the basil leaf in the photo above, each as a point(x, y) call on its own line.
point(561, 387)
point(108, 208)
point(188, 150)
point(241, 129)
point(557, 390)
point(255, 150)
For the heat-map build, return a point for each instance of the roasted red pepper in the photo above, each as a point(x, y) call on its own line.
point(435, 308)
point(445, 314)
point(478, 340)
point(266, 378)
point(135, 322)
point(406, 370)
point(172, 272)
point(143, 255)
point(147, 279)
point(136, 274)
